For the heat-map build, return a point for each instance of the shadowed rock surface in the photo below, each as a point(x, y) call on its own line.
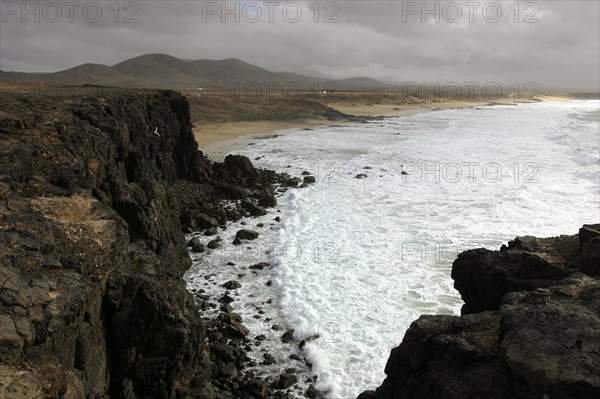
point(93, 194)
point(530, 327)
point(92, 301)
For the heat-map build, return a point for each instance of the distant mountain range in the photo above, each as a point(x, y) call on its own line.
point(165, 71)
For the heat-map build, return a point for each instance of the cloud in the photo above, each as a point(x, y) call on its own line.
point(382, 39)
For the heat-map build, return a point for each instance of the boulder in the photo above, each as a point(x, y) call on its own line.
point(256, 389)
point(292, 182)
point(286, 380)
point(236, 329)
point(232, 285)
point(268, 201)
point(268, 359)
point(483, 276)
point(253, 209)
point(196, 245)
point(240, 166)
point(260, 266)
point(245, 234)
point(287, 336)
point(309, 179)
point(206, 222)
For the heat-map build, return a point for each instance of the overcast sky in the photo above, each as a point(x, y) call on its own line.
point(552, 43)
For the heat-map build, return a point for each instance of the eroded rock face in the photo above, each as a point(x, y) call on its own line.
point(483, 277)
point(531, 329)
point(92, 301)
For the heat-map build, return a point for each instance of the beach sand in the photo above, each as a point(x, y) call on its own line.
point(216, 140)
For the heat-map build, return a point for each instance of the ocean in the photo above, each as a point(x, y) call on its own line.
point(368, 248)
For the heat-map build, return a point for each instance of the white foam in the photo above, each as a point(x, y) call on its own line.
point(359, 259)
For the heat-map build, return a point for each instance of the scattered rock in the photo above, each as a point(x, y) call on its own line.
point(268, 201)
point(257, 389)
point(236, 329)
point(246, 234)
point(308, 339)
point(206, 222)
point(292, 182)
point(309, 179)
point(268, 359)
point(253, 209)
point(228, 371)
point(196, 245)
point(287, 336)
point(286, 380)
point(210, 232)
point(226, 299)
point(260, 266)
point(311, 392)
point(232, 285)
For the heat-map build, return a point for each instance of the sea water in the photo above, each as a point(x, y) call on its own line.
point(355, 259)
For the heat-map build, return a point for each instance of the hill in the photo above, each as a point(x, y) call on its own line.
point(166, 71)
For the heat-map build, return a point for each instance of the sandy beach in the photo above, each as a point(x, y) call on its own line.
point(216, 140)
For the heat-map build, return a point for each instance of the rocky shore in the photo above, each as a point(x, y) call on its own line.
point(530, 327)
point(95, 191)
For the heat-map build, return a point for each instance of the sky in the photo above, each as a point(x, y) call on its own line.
point(554, 44)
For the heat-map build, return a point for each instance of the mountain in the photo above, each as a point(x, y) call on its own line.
point(166, 71)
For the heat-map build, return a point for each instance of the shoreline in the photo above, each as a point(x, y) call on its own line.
point(216, 140)
point(104, 292)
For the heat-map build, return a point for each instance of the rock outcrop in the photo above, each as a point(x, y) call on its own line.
point(92, 300)
point(530, 327)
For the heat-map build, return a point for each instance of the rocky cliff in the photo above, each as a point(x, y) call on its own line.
point(92, 301)
point(530, 327)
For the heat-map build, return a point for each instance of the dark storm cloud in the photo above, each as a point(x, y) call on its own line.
point(382, 39)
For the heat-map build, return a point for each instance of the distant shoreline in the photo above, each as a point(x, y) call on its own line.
point(216, 140)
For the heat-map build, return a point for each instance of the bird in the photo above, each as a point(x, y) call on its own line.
point(156, 131)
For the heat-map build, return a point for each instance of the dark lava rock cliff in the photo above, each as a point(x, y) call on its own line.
point(92, 301)
point(530, 327)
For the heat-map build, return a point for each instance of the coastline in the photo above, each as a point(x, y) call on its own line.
point(216, 140)
point(243, 140)
point(104, 292)
point(102, 253)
